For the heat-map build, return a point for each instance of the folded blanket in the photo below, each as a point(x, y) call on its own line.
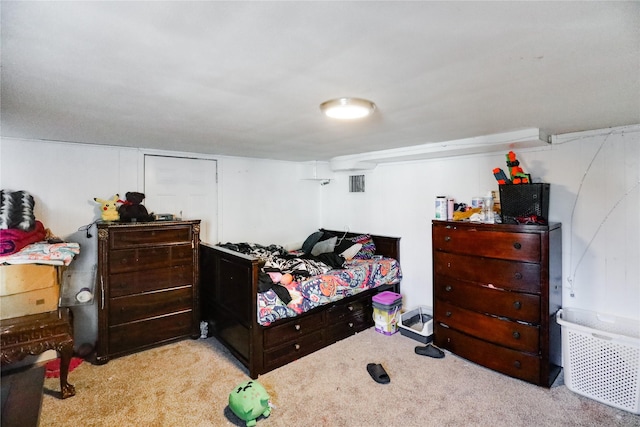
point(14, 239)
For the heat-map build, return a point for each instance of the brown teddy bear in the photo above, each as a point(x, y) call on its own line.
point(131, 209)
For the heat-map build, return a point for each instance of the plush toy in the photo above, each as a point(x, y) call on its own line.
point(131, 209)
point(248, 401)
point(109, 208)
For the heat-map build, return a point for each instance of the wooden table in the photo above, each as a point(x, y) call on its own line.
point(34, 334)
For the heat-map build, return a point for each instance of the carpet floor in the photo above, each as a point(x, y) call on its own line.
point(187, 383)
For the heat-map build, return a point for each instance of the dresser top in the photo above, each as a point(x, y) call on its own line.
point(106, 224)
point(511, 228)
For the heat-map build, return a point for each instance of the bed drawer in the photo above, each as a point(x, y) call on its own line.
point(349, 326)
point(137, 282)
point(514, 305)
point(137, 335)
point(301, 346)
point(293, 329)
point(491, 244)
point(511, 275)
point(142, 306)
point(515, 335)
point(356, 307)
point(525, 366)
point(131, 238)
point(130, 260)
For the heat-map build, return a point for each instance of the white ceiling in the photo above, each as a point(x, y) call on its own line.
point(246, 78)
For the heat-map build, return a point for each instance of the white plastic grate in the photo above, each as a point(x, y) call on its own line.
point(600, 364)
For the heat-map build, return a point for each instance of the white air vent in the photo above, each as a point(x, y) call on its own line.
point(356, 184)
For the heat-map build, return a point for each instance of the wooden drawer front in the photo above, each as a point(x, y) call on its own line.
point(510, 362)
point(149, 258)
point(516, 276)
point(501, 331)
point(144, 236)
point(348, 326)
point(150, 280)
point(293, 329)
point(491, 244)
point(357, 307)
point(142, 306)
point(514, 305)
point(293, 350)
point(132, 336)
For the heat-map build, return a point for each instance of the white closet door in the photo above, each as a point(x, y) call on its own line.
point(184, 187)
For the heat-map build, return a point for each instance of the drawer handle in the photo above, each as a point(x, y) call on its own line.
point(517, 364)
point(447, 238)
point(518, 276)
point(517, 305)
point(297, 327)
point(448, 288)
point(448, 314)
point(517, 245)
point(297, 347)
point(516, 335)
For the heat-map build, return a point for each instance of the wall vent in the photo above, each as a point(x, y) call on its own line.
point(356, 184)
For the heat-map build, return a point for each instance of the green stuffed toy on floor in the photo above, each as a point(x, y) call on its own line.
point(248, 401)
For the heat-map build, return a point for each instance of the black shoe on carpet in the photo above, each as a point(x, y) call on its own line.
point(431, 351)
point(378, 373)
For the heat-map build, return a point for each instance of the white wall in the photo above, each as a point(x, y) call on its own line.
point(259, 200)
point(266, 202)
point(596, 171)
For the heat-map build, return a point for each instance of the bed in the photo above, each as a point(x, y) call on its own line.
point(264, 335)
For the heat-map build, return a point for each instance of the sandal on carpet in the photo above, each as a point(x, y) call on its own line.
point(431, 351)
point(378, 373)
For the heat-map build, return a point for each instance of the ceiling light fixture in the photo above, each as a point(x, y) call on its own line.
point(347, 108)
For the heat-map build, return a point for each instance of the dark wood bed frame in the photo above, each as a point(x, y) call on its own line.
point(228, 290)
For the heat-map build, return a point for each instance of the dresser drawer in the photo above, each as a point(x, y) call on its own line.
point(152, 304)
point(132, 237)
point(136, 282)
point(507, 333)
point(514, 305)
point(293, 350)
point(294, 329)
point(134, 336)
point(128, 260)
point(510, 275)
point(510, 362)
point(490, 244)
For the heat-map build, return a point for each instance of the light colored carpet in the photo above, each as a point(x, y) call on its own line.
point(188, 383)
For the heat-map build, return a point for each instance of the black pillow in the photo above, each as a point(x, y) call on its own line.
point(311, 241)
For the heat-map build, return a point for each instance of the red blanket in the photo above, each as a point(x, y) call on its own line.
point(14, 239)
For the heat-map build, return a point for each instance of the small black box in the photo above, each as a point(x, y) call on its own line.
point(524, 200)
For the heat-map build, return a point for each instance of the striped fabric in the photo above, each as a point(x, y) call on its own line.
point(16, 210)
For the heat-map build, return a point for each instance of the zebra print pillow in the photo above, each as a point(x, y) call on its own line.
point(16, 210)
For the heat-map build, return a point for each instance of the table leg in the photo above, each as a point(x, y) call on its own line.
point(65, 348)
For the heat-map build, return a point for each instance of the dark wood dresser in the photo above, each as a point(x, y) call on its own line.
point(147, 285)
point(496, 289)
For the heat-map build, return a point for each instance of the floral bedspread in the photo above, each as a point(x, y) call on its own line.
point(333, 285)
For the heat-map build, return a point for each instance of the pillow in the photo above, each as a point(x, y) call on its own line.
point(16, 210)
point(351, 251)
point(324, 246)
point(368, 247)
point(311, 241)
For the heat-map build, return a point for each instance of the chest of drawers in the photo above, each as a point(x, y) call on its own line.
point(496, 290)
point(148, 285)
